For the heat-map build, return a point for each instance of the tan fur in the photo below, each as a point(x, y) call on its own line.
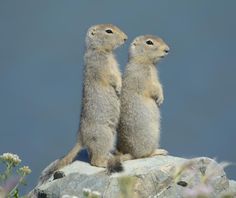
point(141, 96)
point(100, 102)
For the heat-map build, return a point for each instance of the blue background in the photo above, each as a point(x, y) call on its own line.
point(41, 64)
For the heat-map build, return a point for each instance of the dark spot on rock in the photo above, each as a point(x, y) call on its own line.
point(58, 175)
point(42, 195)
point(182, 183)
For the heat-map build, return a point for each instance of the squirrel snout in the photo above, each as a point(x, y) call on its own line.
point(166, 50)
point(125, 37)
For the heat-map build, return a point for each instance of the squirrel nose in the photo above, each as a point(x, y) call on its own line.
point(125, 37)
point(166, 50)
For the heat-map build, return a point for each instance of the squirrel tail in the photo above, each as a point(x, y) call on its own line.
point(114, 164)
point(60, 163)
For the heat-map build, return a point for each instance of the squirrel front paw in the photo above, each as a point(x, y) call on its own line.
point(118, 91)
point(159, 100)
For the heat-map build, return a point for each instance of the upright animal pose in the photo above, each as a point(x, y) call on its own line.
point(100, 102)
point(141, 97)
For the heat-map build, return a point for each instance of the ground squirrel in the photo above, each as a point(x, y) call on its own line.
point(141, 97)
point(100, 103)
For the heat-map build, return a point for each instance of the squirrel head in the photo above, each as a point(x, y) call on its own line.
point(148, 49)
point(105, 37)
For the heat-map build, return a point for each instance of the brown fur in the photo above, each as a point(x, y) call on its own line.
point(141, 96)
point(100, 102)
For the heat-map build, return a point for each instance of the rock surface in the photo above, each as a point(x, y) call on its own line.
point(161, 176)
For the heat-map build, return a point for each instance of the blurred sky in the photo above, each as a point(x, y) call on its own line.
point(41, 64)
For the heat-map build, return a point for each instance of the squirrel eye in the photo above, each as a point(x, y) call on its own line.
point(149, 42)
point(109, 31)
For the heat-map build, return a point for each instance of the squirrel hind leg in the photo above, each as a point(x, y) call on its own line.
point(99, 161)
point(98, 156)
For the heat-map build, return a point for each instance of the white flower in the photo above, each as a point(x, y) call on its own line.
point(96, 193)
point(25, 170)
point(10, 158)
point(69, 196)
point(87, 190)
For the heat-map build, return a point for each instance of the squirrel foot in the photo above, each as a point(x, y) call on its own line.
point(159, 152)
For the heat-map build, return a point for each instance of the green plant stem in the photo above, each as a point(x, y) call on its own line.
point(7, 172)
point(16, 187)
